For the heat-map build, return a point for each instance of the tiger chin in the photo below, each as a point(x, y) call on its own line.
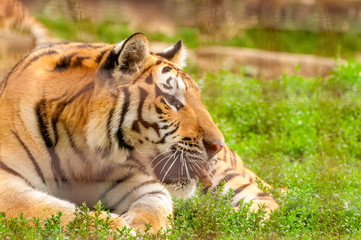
point(82, 122)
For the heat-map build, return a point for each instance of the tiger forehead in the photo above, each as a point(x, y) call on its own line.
point(168, 67)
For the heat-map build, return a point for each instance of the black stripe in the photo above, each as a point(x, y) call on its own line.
point(168, 81)
point(114, 206)
point(205, 190)
point(43, 121)
point(142, 96)
point(168, 87)
point(4, 167)
point(108, 125)
point(159, 111)
point(154, 193)
point(135, 126)
point(151, 193)
point(99, 58)
point(149, 79)
point(56, 167)
point(228, 170)
point(145, 183)
point(120, 134)
point(4, 82)
point(141, 74)
point(35, 58)
point(262, 194)
point(214, 170)
point(115, 184)
point(166, 69)
point(54, 120)
point(137, 167)
point(140, 166)
point(64, 63)
point(73, 145)
point(228, 177)
point(167, 134)
point(107, 68)
point(240, 189)
point(172, 51)
point(41, 114)
point(86, 88)
point(78, 62)
point(36, 165)
point(50, 45)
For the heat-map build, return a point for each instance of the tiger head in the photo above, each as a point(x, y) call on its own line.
point(162, 119)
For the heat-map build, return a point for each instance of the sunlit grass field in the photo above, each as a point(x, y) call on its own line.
point(302, 134)
point(299, 133)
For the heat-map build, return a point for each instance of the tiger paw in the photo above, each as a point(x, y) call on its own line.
point(145, 222)
point(115, 221)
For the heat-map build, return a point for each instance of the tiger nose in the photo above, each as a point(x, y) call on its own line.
point(212, 147)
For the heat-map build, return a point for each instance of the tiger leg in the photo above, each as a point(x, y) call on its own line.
point(140, 200)
point(17, 196)
point(242, 181)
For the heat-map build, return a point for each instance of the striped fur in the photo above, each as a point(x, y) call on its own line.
point(87, 122)
point(230, 169)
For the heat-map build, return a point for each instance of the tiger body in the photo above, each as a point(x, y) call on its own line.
point(87, 122)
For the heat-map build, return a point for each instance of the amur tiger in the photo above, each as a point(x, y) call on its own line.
point(13, 14)
point(117, 123)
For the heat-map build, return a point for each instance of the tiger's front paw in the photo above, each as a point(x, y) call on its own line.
point(140, 220)
point(115, 221)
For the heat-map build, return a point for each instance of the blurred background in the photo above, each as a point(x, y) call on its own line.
point(267, 38)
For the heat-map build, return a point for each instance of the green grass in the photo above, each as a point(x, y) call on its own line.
point(302, 134)
point(330, 44)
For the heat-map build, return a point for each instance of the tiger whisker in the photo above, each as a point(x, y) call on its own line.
point(170, 167)
point(160, 161)
point(196, 162)
point(197, 166)
point(172, 156)
point(187, 171)
point(166, 151)
point(159, 155)
point(182, 162)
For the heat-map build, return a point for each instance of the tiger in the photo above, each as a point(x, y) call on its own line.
point(83, 122)
point(13, 14)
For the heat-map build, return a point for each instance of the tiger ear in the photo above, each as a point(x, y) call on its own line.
point(175, 53)
point(132, 53)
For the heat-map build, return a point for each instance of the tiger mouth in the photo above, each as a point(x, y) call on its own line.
point(179, 166)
